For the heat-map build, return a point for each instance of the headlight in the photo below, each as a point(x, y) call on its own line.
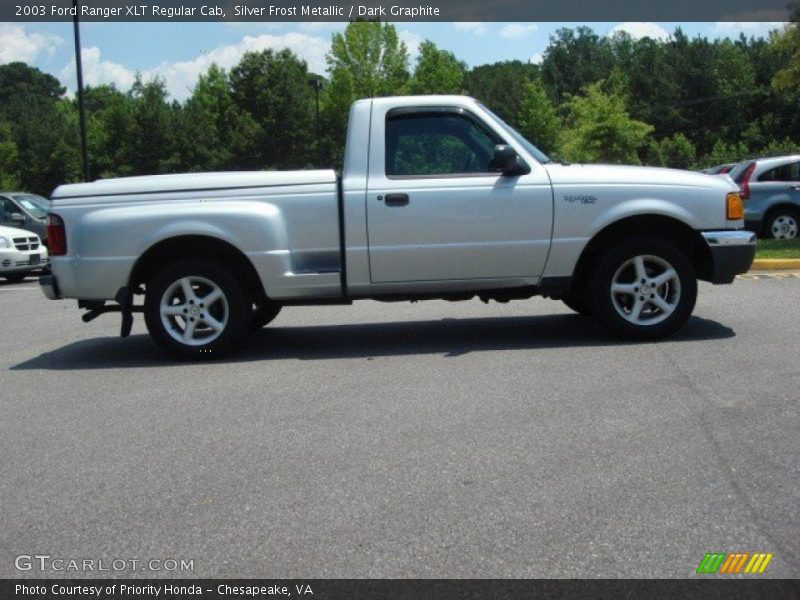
point(4, 243)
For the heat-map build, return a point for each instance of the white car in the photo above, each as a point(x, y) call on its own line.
point(21, 253)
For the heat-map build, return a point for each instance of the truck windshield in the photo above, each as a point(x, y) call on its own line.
point(519, 138)
point(37, 206)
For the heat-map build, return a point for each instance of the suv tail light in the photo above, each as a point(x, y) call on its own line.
point(56, 235)
point(748, 173)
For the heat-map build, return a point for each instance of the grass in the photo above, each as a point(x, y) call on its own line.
point(778, 248)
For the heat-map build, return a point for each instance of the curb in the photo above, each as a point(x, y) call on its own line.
point(775, 264)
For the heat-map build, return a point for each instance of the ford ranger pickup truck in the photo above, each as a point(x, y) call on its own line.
point(438, 199)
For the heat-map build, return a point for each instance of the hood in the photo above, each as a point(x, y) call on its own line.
point(12, 232)
point(617, 174)
point(192, 182)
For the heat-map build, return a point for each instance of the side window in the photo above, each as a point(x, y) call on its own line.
point(789, 172)
point(437, 143)
point(6, 208)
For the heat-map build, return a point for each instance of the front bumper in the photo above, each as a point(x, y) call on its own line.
point(16, 261)
point(49, 285)
point(732, 253)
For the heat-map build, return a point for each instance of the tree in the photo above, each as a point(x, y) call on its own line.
point(723, 153)
point(437, 72)
point(228, 139)
point(365, 61)
point(537, 118)
point(108, 120)
point(599, 128)
point(787, 80)
point(574, 59)
point(148, 147)
point(273, 89)
point(19, 81)
point(675, 151)
point(9, 178)
point(374, 57)
point(501, 86)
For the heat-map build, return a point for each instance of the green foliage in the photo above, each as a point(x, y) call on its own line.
point(787, 80)
point(675, 151)
point(724, 152)
point(367, 60)
point(575, 59)
point(537, 118)
point(437, 72)
point(682, 102)
point(374, 57)
point(599, 129)
point(9, 180)
point(501, 86)
point(273, 89)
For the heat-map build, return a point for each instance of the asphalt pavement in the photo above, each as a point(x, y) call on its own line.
point(431, 439)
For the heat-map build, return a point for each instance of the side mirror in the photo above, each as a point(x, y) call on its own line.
point(506, 160)
point(17, 217)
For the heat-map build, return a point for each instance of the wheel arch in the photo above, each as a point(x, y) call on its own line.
point(652, 225)
point(197, 246)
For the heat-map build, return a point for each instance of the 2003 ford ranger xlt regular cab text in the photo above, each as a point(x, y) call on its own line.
point(438, 198)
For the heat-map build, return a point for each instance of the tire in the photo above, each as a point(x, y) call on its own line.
point(782, 224)
point(264, 314)
point(649, 311)
point(578, 302)
point(15, 277)
point(212, 329)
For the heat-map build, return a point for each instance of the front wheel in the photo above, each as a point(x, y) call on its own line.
point(15, 277)
point(643, 289)
point(196, 309)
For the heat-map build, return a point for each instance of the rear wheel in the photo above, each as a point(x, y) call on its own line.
point(782, 224)
point(643, 289)
point(196, 309)
point(264, 314)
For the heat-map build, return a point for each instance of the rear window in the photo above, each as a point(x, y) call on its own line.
point(737, 173)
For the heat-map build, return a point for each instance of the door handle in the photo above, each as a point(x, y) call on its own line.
point(795, 187)
point(396, 199)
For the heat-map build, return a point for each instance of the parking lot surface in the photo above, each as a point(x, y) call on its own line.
point(407, 440)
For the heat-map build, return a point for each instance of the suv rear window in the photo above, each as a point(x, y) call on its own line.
point(737, 173)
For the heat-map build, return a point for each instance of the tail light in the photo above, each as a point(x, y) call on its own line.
point(748, 173)
point(56, 235)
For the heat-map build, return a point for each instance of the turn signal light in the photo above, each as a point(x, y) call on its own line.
point(734, 207)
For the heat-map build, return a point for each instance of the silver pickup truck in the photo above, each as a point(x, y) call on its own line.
point(438, 199)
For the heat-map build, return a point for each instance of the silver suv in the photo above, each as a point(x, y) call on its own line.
point(771, 193)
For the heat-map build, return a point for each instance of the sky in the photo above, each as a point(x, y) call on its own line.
point(179, 52)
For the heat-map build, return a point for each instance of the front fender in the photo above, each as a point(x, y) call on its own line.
point(638, 207)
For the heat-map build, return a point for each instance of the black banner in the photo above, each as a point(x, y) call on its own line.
point(395, 10)
point(411, 589)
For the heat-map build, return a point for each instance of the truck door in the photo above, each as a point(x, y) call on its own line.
point(437, 211)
